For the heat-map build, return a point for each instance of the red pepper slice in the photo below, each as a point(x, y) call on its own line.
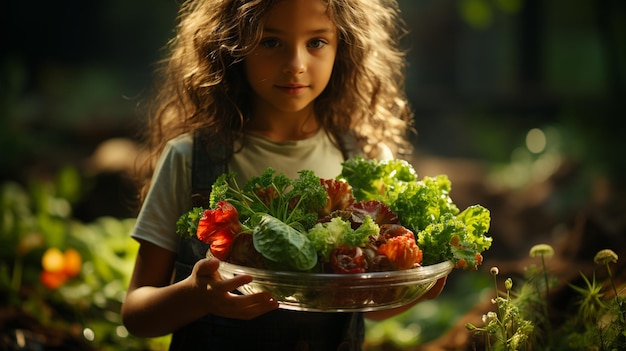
point(218, 227)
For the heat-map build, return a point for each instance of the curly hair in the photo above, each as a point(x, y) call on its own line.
point(202, 85)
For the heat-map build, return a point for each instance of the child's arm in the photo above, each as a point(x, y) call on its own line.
point(431, 294)
point(153, 307)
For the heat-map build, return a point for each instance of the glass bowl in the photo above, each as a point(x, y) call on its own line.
point(340, 292)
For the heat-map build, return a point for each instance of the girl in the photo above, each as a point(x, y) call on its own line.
point(251, 84)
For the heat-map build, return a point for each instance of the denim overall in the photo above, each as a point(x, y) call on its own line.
point(277, 330)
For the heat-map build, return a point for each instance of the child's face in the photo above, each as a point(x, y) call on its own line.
point(294, 60)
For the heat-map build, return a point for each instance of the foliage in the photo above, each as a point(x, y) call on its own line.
point(425, 207)
point(522, 322)
point(480, 14)
point(292, 201)
point(40, 237)
point(508, 328)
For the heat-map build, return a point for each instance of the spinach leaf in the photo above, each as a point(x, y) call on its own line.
point(283, 244)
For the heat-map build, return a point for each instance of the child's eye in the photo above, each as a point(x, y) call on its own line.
point(270, 43)
point(317, 43)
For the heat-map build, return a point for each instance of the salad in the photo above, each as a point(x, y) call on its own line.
point(375, 216)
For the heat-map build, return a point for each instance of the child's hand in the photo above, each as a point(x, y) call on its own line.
point(221, 301)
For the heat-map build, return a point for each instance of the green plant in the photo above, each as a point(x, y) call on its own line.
point(36, 229)
point(600, 321)
point(522, 321)
point(506, 328)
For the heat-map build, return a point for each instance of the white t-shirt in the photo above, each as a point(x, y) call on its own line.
point(170, 193)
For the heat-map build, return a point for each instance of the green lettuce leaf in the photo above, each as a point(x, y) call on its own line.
point(328, 235)
point(425, 207)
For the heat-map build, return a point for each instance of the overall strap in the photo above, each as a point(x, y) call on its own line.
point(205, 171)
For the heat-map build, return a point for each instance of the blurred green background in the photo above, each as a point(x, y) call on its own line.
point(525, 89)
point(481, 74)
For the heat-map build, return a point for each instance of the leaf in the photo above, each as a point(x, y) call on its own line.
point(283, 244)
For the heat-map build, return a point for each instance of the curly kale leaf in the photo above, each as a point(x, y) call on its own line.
point(435, 239)
point(187, 224)
point(477, 219)
point(221, 189)
point(308, 191)
point(377, 180)
point(421, 203)
point(363, 176)
point(225, 188)
point(460, 239)
point(295, 202)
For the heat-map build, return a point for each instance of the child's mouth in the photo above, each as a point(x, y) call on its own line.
point(292, 89)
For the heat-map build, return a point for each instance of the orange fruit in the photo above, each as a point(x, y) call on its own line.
point(53, 260)
point(72, 262)
point(52, 280)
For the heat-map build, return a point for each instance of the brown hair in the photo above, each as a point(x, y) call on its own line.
point(202, 86)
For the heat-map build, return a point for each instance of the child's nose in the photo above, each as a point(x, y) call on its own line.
point(295, 62)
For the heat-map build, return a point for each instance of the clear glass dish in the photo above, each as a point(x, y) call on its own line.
point(340, 292)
